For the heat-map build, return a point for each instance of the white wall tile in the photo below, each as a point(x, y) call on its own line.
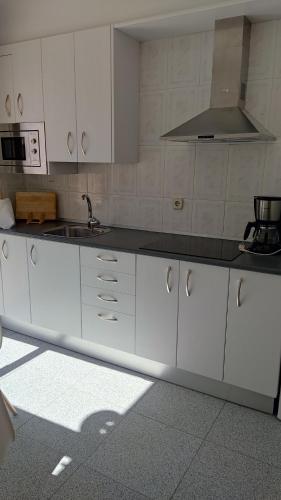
point(207, 217)
point(72, 207)
point(98, 179)
point(179, 171)
point(152, 114)
point(210, 172)
point(246, 164)
point(181, 105)
point(206, 56)
point(272, 171)
point(150, 172)
point(153, 64)
point(149, 213)
point(177, 221)
point(123, 179)
point(184, 60)
point(122, 211)
point(261, 61)
point(258, 100)
point(236, 217)
point(274, 122)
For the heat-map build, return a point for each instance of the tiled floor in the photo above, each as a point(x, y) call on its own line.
point(88, 430)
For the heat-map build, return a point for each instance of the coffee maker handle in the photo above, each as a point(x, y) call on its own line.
point(249, 226)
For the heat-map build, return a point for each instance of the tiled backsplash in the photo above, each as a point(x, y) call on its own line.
point(217, 182)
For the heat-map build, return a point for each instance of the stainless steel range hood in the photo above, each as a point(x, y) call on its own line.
point(226, 120)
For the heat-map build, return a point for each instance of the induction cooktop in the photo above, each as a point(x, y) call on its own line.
point(195, 246)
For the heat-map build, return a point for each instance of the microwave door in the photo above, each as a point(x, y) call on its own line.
point(14, 149)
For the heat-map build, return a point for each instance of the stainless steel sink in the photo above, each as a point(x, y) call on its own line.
point(76, 231)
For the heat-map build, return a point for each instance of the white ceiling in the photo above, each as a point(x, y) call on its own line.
point(27, 19)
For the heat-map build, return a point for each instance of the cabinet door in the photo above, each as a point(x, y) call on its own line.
point(15, 277)
point(28, 92)
point(253, 336)
point(203, 296)
point(59, 97)
point(7, 110)
point(157, 308)
point(54, 273)
point(93, 94)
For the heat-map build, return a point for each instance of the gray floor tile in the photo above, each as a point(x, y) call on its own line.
point(88, 484)
point(29, 471)
point(250, 432)
point(218, 473)
point(76, 423)
point(146, 456)
point(181, 408)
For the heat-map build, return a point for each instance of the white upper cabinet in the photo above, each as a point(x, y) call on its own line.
point(106, 70)
point(157, 308)
point(15, 277)
point(7, 110)
point(253, 336)
point(59, 97)
point(54, 275)
point(28, 94)
point(93, 94)
point(203, 293)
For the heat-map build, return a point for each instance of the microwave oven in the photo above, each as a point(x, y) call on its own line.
point(23, 148)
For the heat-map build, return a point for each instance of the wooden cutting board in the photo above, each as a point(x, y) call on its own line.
point(36, 207)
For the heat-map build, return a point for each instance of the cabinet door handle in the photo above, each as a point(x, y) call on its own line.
point(69, 137)
point(238, 299)
point(111, 299)
point(168, 274)
point(104, 318)
point(4, 245)
point(187, 291)
point(83, 136)
point(110, 280)
point(102, 259)
point(8, 105)
point(20, 103)
point(31, 255)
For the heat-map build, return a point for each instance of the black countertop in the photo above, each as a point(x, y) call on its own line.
point(133, 241)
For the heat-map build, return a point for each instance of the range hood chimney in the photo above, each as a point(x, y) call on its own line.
point(226, 120)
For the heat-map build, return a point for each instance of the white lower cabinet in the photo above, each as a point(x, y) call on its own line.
point(54, 274)
point(203, 292)
point(253, 337)
point(157, 308)
point(15, 277)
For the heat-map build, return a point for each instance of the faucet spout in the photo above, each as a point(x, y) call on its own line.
point(92, 220)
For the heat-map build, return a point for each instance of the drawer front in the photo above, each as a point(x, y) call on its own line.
point(108, 280)
point(108, 328)
point(99, 258)
point(115, 301)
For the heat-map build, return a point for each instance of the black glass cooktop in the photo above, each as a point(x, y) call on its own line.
point(210, 248)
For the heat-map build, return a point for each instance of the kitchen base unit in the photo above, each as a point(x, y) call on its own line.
point(146, 366)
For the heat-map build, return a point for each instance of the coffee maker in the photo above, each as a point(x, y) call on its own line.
point(267, 227)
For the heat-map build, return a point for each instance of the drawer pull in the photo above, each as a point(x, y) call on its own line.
point(102, 259)
point(105, 318)
point(110, 280)
point(187, 290)
point(4, 245)
point(112, 299)
point(168, 287)
point(238, 298)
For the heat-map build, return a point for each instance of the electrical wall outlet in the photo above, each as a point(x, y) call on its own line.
point(178, 203)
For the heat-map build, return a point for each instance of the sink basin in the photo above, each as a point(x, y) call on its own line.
point(76, 231)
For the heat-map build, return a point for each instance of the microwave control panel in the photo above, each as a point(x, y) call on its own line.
point(34, 148)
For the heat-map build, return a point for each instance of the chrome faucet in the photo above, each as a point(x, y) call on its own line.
point(92, 220)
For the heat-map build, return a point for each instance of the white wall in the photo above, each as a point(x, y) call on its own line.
point(26, 19)
point(217, 182)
